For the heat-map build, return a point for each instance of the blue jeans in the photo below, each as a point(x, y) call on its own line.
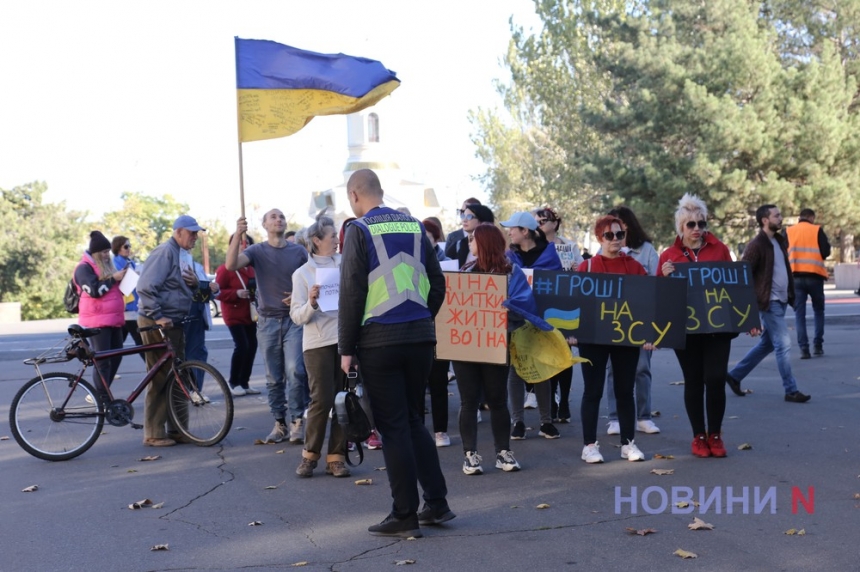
point(812, 287)
point(195, 339)
point(642, 388)
point(774, 339)
point(280, 342)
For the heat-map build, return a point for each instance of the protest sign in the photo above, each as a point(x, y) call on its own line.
point(472, 324)
point(613, 309)
point(329, 283)
point(720, 297)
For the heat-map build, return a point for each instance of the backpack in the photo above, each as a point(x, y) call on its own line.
point(352, 418)
point(72, 297)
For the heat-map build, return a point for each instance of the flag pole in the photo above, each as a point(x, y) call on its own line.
point(239, 131)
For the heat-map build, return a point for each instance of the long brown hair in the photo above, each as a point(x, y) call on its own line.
point(491, 250)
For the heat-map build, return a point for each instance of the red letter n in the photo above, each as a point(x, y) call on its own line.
point(808, 503)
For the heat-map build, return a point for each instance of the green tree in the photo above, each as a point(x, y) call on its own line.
point(39, 248)
point(146, 220)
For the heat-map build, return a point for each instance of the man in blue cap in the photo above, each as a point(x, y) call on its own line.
point(165, 288)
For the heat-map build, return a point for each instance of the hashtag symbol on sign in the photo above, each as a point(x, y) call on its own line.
point(542, 286)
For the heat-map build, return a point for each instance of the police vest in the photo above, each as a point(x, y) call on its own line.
point(397, 282)
point(803, 253)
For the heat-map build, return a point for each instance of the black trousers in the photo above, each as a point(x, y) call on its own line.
point(624, 360)
point(107, 339)
point(704, 362)
point(395, 378)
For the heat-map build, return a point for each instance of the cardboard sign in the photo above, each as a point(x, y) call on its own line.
point(472, 324)
point(720, 297)
point(613, 309)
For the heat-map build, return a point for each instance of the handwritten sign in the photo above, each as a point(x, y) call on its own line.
point(329, 281)
point(720, 297)
point(472, 324)
point(613, 309)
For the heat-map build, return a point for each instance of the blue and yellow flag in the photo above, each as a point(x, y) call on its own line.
point(281, 88)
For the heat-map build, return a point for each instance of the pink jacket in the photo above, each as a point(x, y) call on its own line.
point(102, 312)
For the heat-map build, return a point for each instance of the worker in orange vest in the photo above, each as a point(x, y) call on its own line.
point(807, 248)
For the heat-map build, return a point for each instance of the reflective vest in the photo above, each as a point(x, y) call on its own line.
point(397, 283)
point(803, 253)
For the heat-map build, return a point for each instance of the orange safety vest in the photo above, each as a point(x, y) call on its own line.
point(803, 252)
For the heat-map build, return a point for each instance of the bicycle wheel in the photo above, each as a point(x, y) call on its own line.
point(204, 422)
point(52, 419)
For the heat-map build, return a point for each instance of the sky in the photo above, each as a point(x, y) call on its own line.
point(100, 98)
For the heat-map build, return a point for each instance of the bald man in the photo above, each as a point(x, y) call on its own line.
point(391, 288)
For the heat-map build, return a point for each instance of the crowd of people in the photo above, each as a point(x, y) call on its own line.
point(390, 288)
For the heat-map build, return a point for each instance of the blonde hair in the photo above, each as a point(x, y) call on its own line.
point(106, 267)
point(690, 207)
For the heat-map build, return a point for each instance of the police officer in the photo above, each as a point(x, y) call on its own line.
point(391, 287)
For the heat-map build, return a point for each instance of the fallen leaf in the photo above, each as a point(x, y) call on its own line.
point(4, 438)
point(160, 547)
point(403, 562)
point(30, 489)
point(696, 504)
point(641, 531)
point(131, 471)
point(239, 428)
point(145, 503)
point(662, 472)
point(856, 496)
point(364, 482)
point(744, 447)
point(685, 554)
point(791, 531)
point(699, 524)
point(801, 532)
point(659, 456)
point(682, 504)
point(259, 442)
point(411, 538)
point(655, 414)
point(158, 505)
point(676, 383)
point(734, 417)
point(279, 452)
point(150, 458)
point(379, 469)
point(542, 506)
point(255, 523)
point(515, 506)
point(270, 487)
point(302, 563)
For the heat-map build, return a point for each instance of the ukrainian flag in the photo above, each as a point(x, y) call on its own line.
point(281, 88)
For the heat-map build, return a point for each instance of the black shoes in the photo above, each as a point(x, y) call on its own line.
point(804, 354)
point(735, 386)
point(818, 351)
point(797, 397)
point(429, 515)
point(393, 526)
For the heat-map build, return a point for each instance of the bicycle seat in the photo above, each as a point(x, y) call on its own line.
point(80, 332)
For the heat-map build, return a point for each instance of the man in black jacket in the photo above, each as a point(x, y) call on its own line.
point(774, 288)
point(391, 288)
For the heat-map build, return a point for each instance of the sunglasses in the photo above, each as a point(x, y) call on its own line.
point(691, 224)
point(543, 221)
point(126, 246)
point(469, 216)
point(616, 235)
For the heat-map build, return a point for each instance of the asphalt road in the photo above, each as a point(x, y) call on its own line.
point(79, 517)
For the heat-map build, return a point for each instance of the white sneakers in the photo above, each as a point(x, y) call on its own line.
point(472, 463)
point(643, 426)
point(591, 453)
point(252, 391)
point(442, 440)
point(631, 452)
point(238, 391)
point(646, 426)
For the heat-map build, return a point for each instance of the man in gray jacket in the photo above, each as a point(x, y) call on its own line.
point(165, 289)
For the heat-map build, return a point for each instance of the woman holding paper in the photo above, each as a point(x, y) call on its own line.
point(705, 358)
point(121, 248)
point(319, 342)
point(101, 306)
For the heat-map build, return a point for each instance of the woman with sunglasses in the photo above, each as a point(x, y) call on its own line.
point(610, 232)
point(530, 249)
point(471, 217)
point(705, 358)
point(120, 246)
point(487, 244)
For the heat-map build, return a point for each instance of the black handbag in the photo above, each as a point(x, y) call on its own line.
point(352, 417)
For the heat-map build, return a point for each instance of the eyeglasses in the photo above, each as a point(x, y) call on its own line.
point(126, 246)
point(543, 221)
point(616, 235)
point(464, 216)
point(691, 224)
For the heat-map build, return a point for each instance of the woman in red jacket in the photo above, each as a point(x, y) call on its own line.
point(609, 230)
point(237, 295)
point(705, 358)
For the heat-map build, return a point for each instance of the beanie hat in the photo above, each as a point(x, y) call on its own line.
point(98, 242)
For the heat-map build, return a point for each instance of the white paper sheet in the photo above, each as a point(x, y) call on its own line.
point(329, 282)
point(129, 281)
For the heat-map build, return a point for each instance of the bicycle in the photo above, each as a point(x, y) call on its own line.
point(58, 416)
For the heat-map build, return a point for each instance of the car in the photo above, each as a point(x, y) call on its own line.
point(214, 303)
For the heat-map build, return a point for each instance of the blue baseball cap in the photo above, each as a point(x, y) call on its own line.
point(524, 220)
point(187, 222)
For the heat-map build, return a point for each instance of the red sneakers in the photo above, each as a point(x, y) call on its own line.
point(715, 443)
point(700, 446)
